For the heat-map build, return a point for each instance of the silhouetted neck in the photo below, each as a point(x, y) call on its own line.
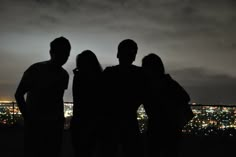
point(125, 65)
point(54, 63)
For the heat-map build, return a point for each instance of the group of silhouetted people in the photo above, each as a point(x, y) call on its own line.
point(105, 106)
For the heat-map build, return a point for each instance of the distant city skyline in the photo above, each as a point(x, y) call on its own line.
point(208, 120)
point(195, 38)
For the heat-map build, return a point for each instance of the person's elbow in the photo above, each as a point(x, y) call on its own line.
point(18, 96)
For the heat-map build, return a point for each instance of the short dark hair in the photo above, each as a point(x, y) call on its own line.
point(127, 50)
point(60, 44)
point(128, 45)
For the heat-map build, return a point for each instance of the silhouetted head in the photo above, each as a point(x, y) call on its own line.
point(60, 50)
point(127, 50)
point(87, 62)
point(153, 65)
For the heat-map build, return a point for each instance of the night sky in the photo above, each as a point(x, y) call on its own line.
point(195, 38)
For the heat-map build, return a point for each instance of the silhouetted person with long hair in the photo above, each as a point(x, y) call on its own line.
point(86, 96)
point(123, 96)
point(165, 101)
point(44, 84)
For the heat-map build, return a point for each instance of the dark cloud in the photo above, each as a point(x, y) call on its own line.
point(185, 33)
point(206, 86)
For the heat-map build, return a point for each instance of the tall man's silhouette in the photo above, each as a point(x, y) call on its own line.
point(123, 96)
point(44, 83)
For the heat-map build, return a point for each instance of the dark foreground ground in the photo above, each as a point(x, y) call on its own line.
point(11, 145)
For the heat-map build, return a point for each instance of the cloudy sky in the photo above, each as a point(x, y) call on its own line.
point(195, 38)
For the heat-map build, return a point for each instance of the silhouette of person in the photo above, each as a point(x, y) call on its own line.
point(123, 96)
point(86, 89)
point(43, 110)
point(164, 104)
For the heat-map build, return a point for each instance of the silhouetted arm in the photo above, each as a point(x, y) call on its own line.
point(180, 93)
point(23, 88)
point(75, 93)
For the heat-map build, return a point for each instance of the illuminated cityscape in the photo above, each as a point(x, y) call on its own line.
point(212, 120)
point(10, 114)
point(209, 119)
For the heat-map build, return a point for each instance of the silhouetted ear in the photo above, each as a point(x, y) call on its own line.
point(50, 52)
point(52, 55)
point(118, 55)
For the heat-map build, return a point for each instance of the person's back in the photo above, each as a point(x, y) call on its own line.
point(85, 125)
point(44, 83)
point(45, 99)
point(166, 98)
point(164, 104)
point(86, 86)
point(123, 96)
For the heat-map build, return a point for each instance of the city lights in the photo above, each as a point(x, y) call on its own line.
point(209, 119)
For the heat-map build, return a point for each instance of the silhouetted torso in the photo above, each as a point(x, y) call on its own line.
point(122, 97)
point(44, 84)
point(86, 95)
point(85, 123)
point(124, 93)
point(164, 103)
point(47, 83)
point(164, 99)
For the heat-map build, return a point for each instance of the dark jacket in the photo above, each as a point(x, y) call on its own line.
point(167, 103)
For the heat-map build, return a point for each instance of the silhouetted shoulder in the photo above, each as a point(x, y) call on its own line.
point(48, 66)
point(111, 70)
point(119, 67)
point(136, 67)
point(65, 73)
point(179, 91)
point(32, 71)
point(108, 69)
point(34, 67)
point(44, 74)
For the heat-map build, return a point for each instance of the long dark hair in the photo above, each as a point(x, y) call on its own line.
point(87, 62)
point(154, 64)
